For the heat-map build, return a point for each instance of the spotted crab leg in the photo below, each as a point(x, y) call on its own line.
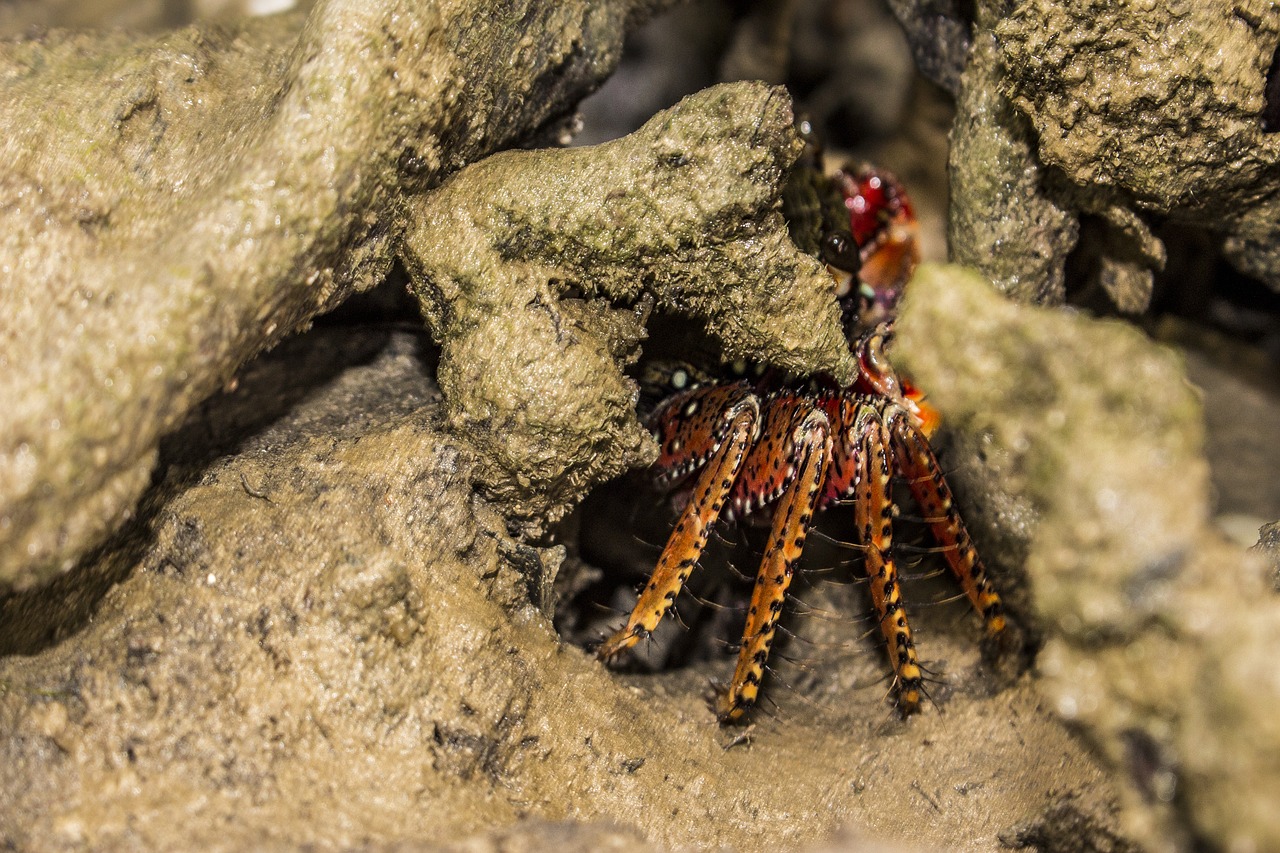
point(873, 516)
point(929, 487)
point(711, 428)
point(806, 456)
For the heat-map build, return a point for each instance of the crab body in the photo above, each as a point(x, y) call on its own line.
point(730, 448)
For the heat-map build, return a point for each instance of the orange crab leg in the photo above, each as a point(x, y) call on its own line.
point(873, 515)
point(931, 492)
point(810, 453)
point(725, 419)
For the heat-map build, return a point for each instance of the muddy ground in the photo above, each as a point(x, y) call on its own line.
point(324, 622)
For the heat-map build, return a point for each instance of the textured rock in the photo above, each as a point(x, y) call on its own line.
point(1163, 100)
point(940, 36)
point(181, 204)
point(668, 217)
point(1269, 548)
point(1157, 106)
point(1121, 114)
point(1002, 220)
point(1158, 631)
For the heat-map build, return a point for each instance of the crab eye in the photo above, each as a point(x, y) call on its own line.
point(840, 251)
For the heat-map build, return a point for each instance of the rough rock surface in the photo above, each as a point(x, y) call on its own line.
point(673, 217)
point(1158, 631)
point(939, 33)
point(1269, 547)
point(1001, 219)
point(1164, 101)
point(178, 205)
point(1124, 111)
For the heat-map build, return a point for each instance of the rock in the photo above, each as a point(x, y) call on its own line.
point(1002, 220)
point(940, 37)
point(183, 203)
point(1123, 114)
point(1157, 107)
point(1269, 547)
point(1157, 630)
point(669, 217)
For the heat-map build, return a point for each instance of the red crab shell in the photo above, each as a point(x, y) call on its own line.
point(883, 224)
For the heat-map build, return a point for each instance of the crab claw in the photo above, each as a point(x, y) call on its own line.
point(877, 376)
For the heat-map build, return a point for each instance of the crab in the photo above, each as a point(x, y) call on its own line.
point(732, 447)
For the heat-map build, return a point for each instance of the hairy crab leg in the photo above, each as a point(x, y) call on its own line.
point(810, 453)
point(930, 490)
point(711, 427)
point(873, 515)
